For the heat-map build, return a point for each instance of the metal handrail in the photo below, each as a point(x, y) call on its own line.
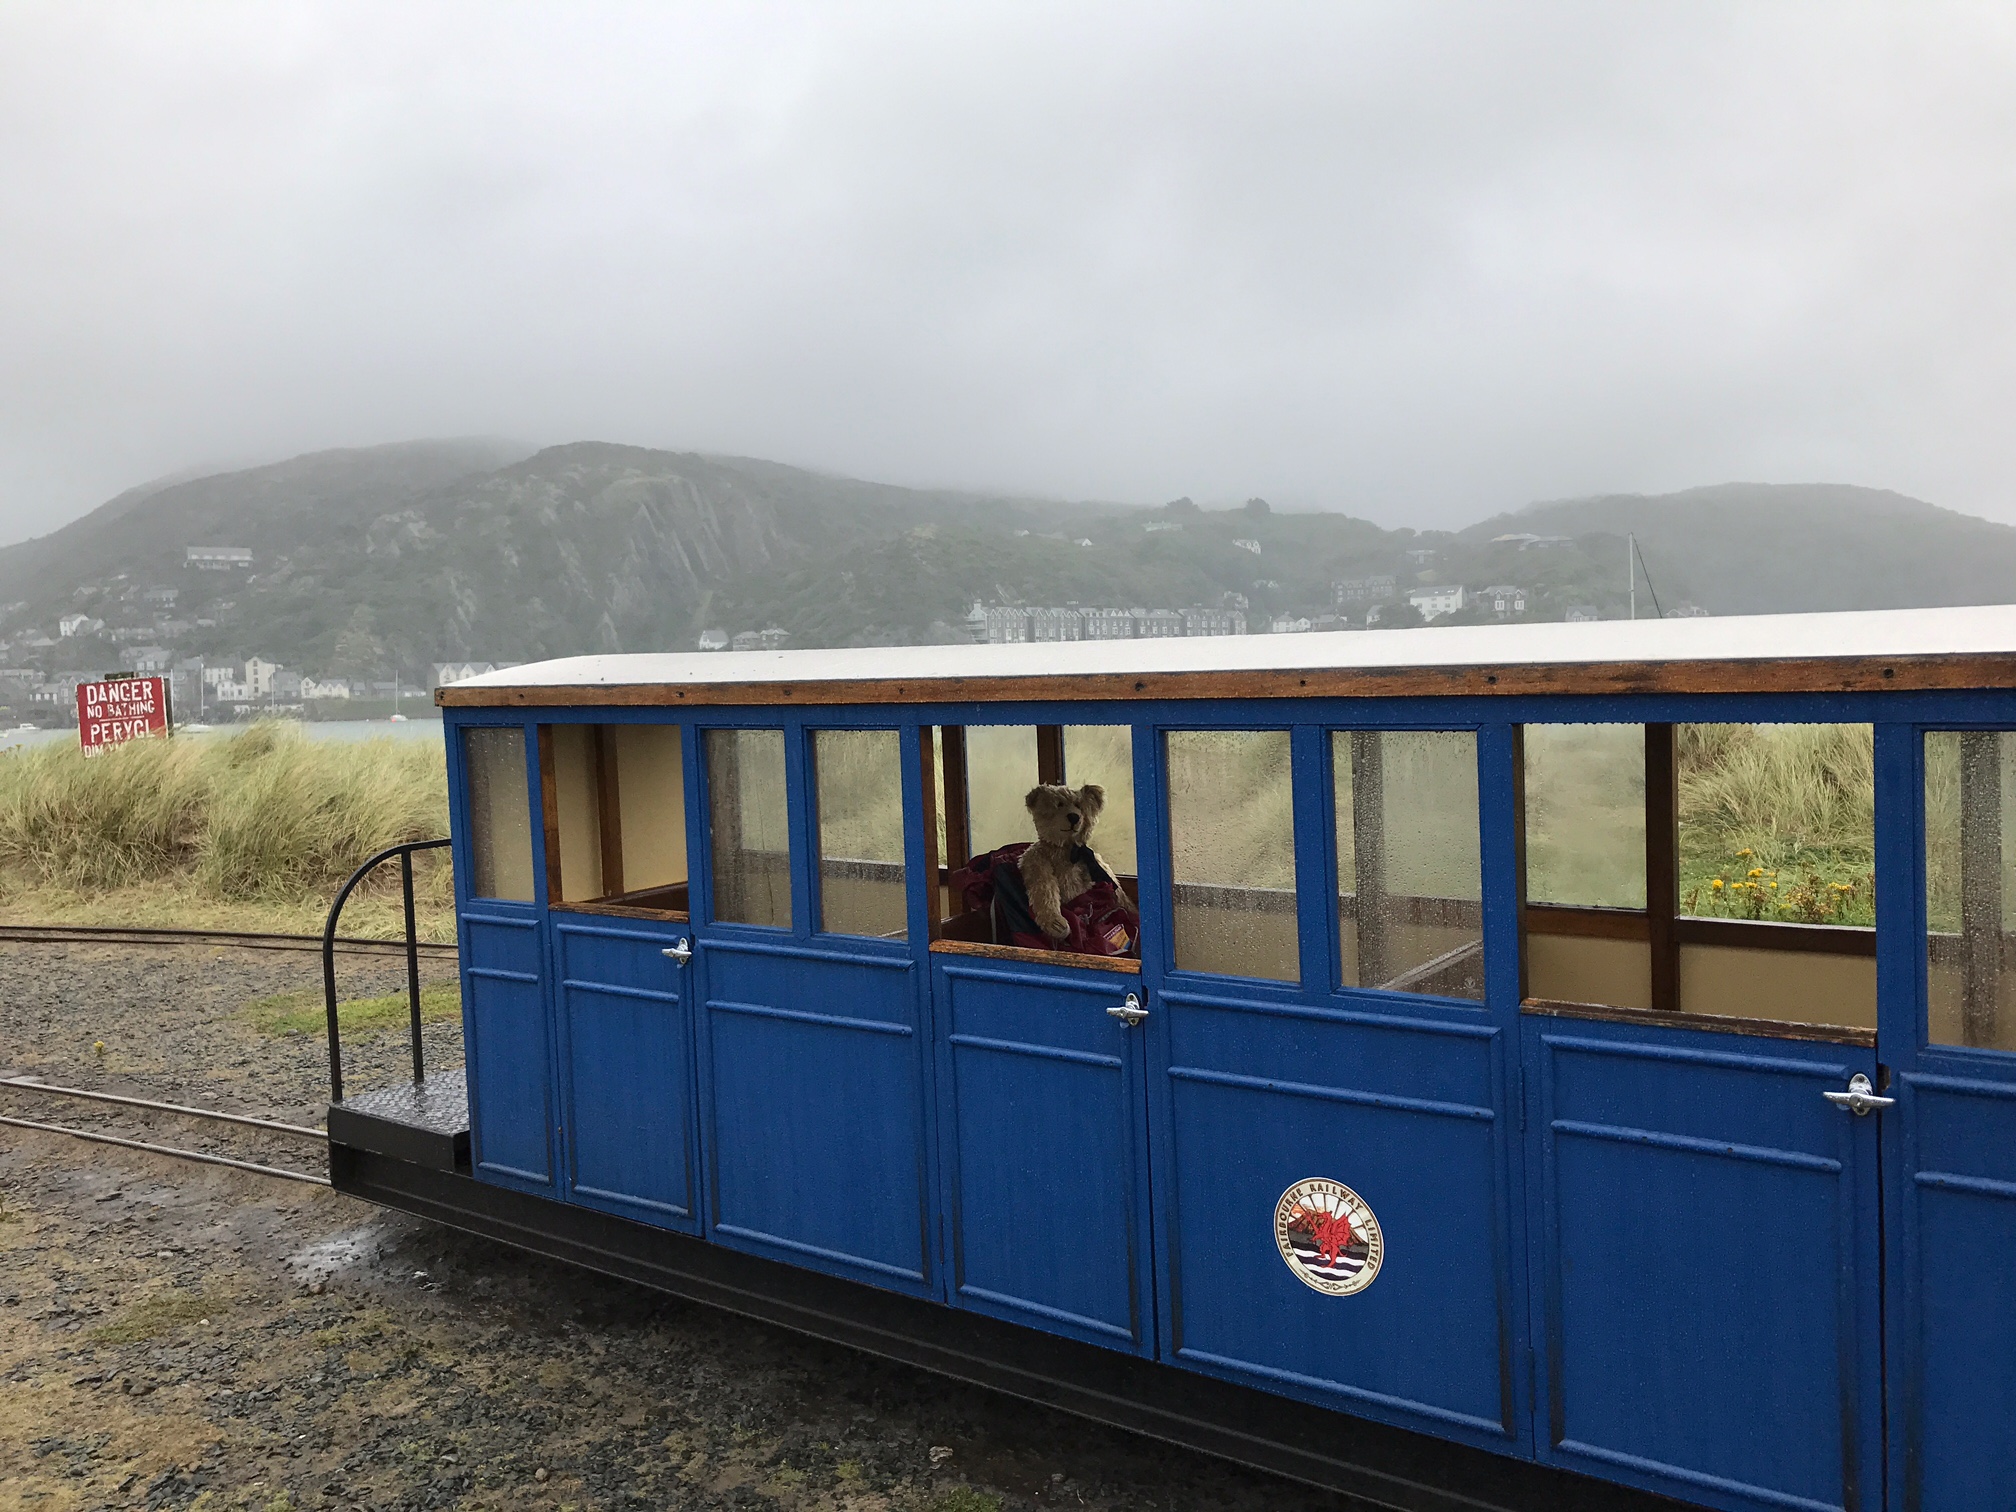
point(405, 855)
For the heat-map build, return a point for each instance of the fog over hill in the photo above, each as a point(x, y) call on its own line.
point(389, 558)
point(1769, 548)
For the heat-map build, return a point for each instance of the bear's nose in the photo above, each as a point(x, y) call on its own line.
point(1072, 820)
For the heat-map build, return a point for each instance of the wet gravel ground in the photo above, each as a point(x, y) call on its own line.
point(185, 1336)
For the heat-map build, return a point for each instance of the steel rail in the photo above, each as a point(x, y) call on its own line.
point(154, 1149)
point(119, 934)
point(23, 1084)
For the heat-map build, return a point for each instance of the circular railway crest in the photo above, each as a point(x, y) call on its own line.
point(1328, 1236)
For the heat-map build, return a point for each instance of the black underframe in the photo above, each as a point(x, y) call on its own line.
point(1371, 1463)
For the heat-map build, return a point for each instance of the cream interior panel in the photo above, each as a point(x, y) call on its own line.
point(1576, 969)
point(1792, 986)
point(579, 815)
point(651, 805)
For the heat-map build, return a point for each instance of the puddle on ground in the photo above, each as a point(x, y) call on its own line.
point(325, 1257)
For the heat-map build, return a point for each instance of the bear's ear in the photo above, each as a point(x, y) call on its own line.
point(1038, 798)
point(1092, 798)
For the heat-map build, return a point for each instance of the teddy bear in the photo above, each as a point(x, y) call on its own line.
point(1062, 864)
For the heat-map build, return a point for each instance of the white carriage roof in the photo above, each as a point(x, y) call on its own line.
point(1971, 647)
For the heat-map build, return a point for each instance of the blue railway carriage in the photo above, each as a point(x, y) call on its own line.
point(1559, 1066)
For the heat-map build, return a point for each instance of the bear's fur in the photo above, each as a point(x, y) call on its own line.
point(1062, 864)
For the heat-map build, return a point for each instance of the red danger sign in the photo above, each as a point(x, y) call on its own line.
point(120, 709)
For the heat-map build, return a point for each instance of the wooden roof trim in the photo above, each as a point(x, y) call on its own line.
point(1848, 674)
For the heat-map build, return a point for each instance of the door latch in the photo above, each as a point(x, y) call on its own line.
point(681, 952)
point(1130, 1012)
point(1860, 1098)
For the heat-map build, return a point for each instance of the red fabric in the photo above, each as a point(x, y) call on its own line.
point(1101, 922)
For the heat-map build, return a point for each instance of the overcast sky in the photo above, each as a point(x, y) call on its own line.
point(1418, 262)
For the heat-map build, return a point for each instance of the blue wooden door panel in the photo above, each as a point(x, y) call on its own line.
point(1044, 1121)
point(629, 1120)
point(815, 1133)
point(1709, 1262)
point(1959, 1429)
point(1402, 1111)
point(509, 1051)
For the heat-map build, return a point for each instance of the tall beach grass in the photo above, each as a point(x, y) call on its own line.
point(261, 826)
point(1778, 822)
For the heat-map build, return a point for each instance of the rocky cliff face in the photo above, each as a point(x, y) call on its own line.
point(449, 550)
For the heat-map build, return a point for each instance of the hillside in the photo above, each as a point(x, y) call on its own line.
point(390, 558)
point(1761, 548)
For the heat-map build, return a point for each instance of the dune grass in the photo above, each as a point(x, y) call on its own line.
point(249, 831)
point(1777, 822)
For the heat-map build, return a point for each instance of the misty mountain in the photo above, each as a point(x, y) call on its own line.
point(393, 557)
point(1765, 548)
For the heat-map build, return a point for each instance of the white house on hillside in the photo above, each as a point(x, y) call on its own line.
point(1434, 601)
point(259, 674)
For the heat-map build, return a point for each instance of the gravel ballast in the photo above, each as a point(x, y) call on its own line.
point(175, 1335)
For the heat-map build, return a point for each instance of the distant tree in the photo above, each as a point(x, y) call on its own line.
point(1397, 614)
point(1257, 506)
point(1182, 506)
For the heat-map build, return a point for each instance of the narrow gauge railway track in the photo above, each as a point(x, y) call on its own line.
point(115, 934)
point(299, 1131)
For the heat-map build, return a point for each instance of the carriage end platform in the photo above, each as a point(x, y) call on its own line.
point(425, 1123)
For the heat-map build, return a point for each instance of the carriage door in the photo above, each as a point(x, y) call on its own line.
point(1703, 1190)
point(1040, 1059)
point(614, 802)
point(1949, 1039)
point(1334, 1130)
point(812, 1053)
point(504, 1022)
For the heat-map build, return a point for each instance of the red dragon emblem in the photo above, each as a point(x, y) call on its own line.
point(1331, 1232)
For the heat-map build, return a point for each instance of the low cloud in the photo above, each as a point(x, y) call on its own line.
point(1418, 262)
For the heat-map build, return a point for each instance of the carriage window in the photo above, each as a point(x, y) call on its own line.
point(1776, 855)
point(748, 816)
point(615, 817)
point(1232, 852)
point(1105, 754)
point(500, 812)
point(1777, 822)
point(1409, 876)
point(983, 780)
point(1970, 887)
point(1585, 815)
point(1754, 849)
point(860, 786)
point(1001, 766)
point(1587, 939)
